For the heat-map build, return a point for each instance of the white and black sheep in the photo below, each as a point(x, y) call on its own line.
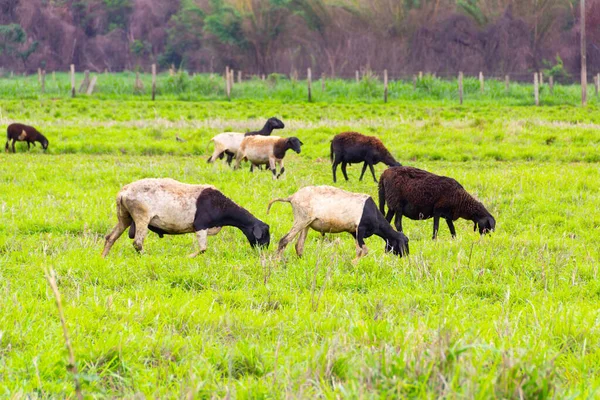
point(24, 133)
point(419, 194)
point(261, 150)
point(166, 206)
point(327, 209)
point(353, 147)
point(228, 143)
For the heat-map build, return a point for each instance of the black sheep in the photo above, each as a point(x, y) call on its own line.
point(353, 147)
point(24, 133)
point(419, 194)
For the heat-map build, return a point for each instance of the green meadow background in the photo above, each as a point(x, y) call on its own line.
point(514, 314)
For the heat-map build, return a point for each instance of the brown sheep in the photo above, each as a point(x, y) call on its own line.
point(419, 194)
point(24, 133)
point(353, 147)
point(260, 150)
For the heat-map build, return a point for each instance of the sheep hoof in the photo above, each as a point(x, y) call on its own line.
point(195, 254)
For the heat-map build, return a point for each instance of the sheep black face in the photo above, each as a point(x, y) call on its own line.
point(397, 246)
point(259, 235)
point(275, 123)
point(294, 143)
point(486, 225)
point(45, 143)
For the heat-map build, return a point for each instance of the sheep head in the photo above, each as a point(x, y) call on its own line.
point(294, 143)
point(258, 235)
point(397, 245)
point(275, 123)
point(486, 224)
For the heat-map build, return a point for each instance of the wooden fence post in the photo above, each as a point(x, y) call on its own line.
point(414, 82)
point(541, 75)
point(92, 85)
point(240, 76)
point(420, 74)
point(72, 80)
point(263, 77)
point(481, 82)
point(43, 82)
point(460, 87)
point(86, 81)
point(551, 84)
point(153, 81)
point(227, 83)
point(385, 86)
point(507, 83)
point(40, 76)
point(357, 77)
point(308, 82)
point(536, 89)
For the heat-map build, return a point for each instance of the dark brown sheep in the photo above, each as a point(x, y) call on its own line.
point(419, 194)
point(353, 147)
point(24, 133)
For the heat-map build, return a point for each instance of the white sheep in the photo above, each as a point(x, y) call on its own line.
point(270, 150)
point(329, 209)
point(166, 206)
point(229, 142)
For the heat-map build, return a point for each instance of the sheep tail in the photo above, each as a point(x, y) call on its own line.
point(287, 200)
point(382, 196)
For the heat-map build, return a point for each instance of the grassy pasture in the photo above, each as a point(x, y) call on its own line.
point(513, 314)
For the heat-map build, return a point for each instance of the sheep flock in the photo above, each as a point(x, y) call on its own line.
point(166, 207)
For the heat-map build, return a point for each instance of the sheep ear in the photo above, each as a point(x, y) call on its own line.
point(301, 144)
point(257, 232)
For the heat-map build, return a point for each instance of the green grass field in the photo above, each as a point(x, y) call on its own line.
point(511, 315)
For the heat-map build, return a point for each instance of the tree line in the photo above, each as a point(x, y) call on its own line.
point(330, 36)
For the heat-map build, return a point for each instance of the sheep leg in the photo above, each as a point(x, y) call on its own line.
point(216, 154)
point(390, 215)
point(436, 226)
point(238, 160)
point(300, 242)
point(201, 236)
point(229, 158)
point(272, 167)
point(280, 162)
point(362, 173)
point(361, 247)
point(29, 146)
point(344, 170)
point(334, 168)
point(373, 172)
point(296, 228)
point(13, 145)
point(116, 233)
point(451, 227)
point(141, 230)
point(398, 222)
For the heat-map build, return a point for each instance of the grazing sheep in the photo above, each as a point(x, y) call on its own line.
point(269, 150)
point(419, 194)
point(24, 133)
point(229, 142)
point(353, 147)
point(329, 209)
point(166, 206)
